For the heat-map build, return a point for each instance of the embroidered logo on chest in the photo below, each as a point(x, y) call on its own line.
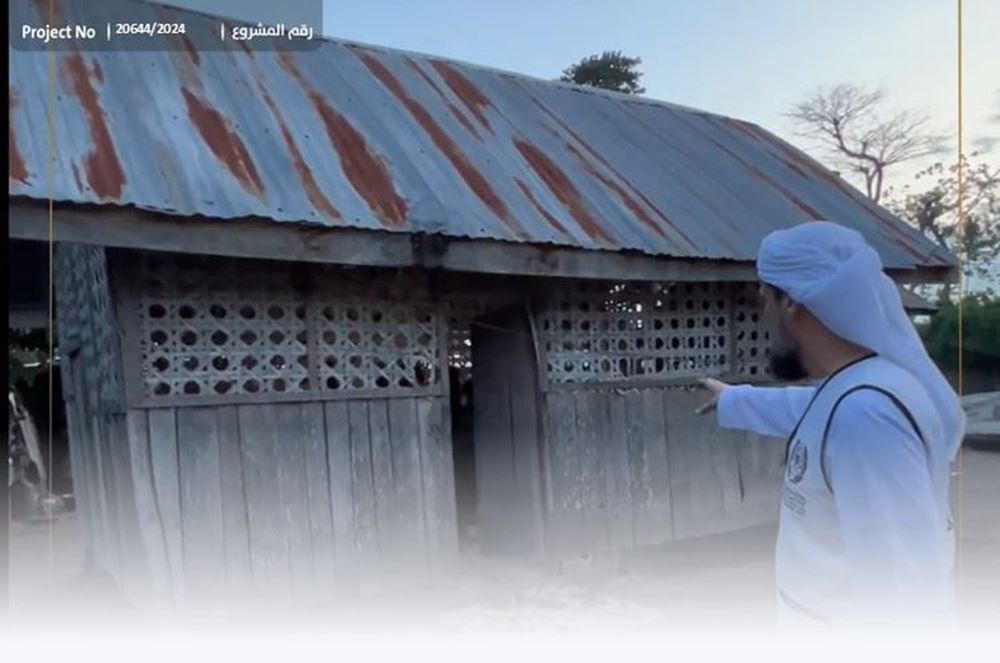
point(797, 462)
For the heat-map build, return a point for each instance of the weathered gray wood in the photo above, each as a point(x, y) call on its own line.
point(697, 450)
point(498, 515)
point(591, 423)
point(338, 443)
point(654, 509)
point(407, 488)
point(269, 552)
point(76, 424)
point(135, 564)
point(507, 424)
point(260, 239)
point(523, 404)
point(365, 525)
point(565, 524)
point(201, 504)
point(109, 494)
point(318, 488)
point(166, 486)
point(125, 293)
point(438, 473)
point(387, 518)
point(236, 538)
point(293, 494)
point(151, 529)
point(621, 511)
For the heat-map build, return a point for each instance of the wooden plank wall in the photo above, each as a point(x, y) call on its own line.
point(506, 432)
point(627, 468)
point(293, 502)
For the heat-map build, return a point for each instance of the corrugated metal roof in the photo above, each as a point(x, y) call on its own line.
point(364, 137)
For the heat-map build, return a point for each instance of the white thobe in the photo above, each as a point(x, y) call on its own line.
point(864, 526)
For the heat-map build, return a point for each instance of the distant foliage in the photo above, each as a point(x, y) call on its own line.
point(932, 206)
point(610, 70)
point(980, 334)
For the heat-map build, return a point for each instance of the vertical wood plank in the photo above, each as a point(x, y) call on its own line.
point(269, 553)
point(338, 444)
point(658, 512)
point(201, 503)
point(365, 525)
point(318, 488)
point(524, 406)
point(621, 512)
point(292, 489)
point(411, 538)
point(135, 563)
point(106, 474)
point(388, 518)
point(591, 413)
point(166, 485)
point(565, 531)
point(236, 538)
point(147, 510)
point(438, 484)
point(696, 486)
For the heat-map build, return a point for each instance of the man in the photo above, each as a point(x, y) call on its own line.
point(864, 532)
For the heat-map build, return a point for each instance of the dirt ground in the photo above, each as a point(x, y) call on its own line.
point(723, 580)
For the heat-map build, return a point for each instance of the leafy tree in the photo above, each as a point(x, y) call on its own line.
point(980, 340)
point(854, 132)
point(610, 70)
point(935, 212)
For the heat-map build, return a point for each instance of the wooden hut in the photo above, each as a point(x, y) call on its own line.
point(276, 274)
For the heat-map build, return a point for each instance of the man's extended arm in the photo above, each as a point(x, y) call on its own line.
point(771, 411)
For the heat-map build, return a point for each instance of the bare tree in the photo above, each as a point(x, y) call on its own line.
point(858, 135)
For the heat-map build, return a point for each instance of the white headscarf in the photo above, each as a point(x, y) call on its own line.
point(838, 277)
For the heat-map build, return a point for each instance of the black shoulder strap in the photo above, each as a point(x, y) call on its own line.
point(895, 401)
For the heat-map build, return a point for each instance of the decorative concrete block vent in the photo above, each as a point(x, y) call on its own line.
point(650, 333)
point(207, 331)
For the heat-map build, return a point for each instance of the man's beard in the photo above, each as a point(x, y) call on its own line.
point(786, 363)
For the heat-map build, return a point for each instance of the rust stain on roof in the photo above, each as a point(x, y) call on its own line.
point(600, 158)
point(48, 10)
point(561, 187)
point(224, 143)
point(76, 176)
point(191, 50)
point(246, 47)
point(104, 171)
point(633, 206)
point(553, 221)
point(309, 185)
point(16, 166)
point(366, 172)
point(458, 115)
point(785, 193)
point(463, 88)
point(754, 133)
point(472, 177)
point(98, 72)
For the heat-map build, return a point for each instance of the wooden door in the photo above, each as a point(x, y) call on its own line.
point(506, 434)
